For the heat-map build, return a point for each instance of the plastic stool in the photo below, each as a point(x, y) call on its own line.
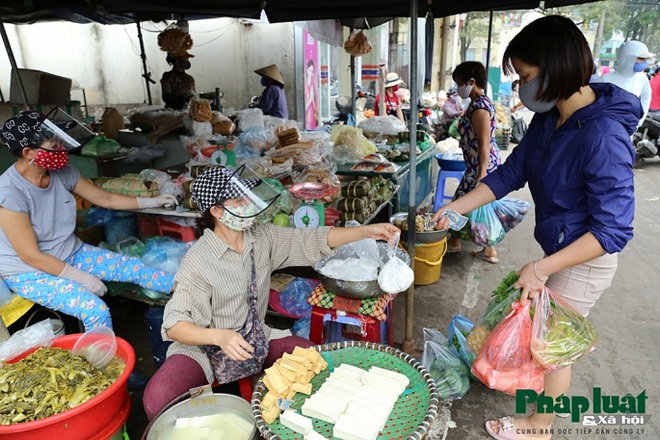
point(441, 198)
point(371, 327)
point(171, 229)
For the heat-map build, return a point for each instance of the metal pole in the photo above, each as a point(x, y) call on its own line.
point(408, 343)
point(14, 67)
point(490, 35)
point(352, 82)
point(146, 75)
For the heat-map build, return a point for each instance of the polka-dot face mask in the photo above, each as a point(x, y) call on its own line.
point(51, 160)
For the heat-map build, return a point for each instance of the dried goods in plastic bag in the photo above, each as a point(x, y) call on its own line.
point(505, 363)
point(561, 335)
point(357, 44)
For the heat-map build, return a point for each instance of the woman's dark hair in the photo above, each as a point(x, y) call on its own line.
point(514, 84)
point(310, 62)
point(558, 48)
point(206, 221)
point(468, 70)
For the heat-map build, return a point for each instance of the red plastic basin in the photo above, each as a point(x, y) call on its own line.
point(97, 419)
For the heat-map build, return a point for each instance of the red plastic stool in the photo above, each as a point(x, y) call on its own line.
point(184, 233)
point(370, 326)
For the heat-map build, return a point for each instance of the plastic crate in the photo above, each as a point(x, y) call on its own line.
point(147, 226)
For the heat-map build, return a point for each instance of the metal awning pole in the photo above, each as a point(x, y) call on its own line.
point(408, 343)
point(353, 80)
point(14, 67)
point(146, 75)
point(490, 36)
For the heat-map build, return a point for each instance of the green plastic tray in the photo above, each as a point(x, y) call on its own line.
point(413, 413)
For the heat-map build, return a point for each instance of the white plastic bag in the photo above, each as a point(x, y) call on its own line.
point(395, 276)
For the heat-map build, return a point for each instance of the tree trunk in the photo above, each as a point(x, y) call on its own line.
point(599, 37)
point(444, 56)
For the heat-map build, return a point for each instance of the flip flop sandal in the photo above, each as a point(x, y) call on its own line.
point(453, 250)
point(482, 256)
point(507, 429)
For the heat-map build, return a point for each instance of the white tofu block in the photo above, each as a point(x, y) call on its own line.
point(332, 392)
point(383, 382)
point(391, 374)
point(378, 415)
point(314, 436)
point(351, 427)
point(349, 369)
point(382, 396)
point(323, 409)
point(296, 422)
point(346, 380)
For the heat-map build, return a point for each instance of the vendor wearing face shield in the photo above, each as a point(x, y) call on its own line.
point(41, 259)
point(221, 292)
point(177, 86)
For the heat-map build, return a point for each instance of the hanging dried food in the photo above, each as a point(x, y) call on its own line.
point(174, 39)
point(357, 44)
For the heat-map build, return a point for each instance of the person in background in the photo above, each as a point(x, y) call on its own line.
point(452, 108)
point(223, 284)
point(273, 98)
point(392, 100)
point(177, 86)
point(577, 160)
point(515, 104)
point(477, 130)
point(654, 106)
point(311, 100)
point(41, 258)
point(631, 60)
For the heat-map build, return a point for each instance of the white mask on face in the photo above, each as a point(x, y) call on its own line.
point(464, 90)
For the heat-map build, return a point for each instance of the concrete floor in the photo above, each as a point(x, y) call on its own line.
point(625, 317)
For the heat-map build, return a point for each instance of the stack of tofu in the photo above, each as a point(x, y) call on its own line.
point(290, 374)
point(356, 401)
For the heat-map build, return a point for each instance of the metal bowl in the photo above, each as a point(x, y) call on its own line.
point(433, 236)
point(357, 289)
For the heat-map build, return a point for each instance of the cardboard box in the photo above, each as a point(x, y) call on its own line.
point(40, 87)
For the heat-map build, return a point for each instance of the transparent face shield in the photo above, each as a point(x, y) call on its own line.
point(261, 196)
point(49, 132)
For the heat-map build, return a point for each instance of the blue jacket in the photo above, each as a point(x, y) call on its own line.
point(580, 175)
point(273, 101)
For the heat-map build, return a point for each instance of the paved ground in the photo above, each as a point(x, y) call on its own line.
point(626, 318)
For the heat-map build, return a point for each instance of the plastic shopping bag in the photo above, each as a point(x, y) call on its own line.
point(560, 334)
point(395, 276)
point(459, 329)
point(505, 363)
point(510, 211)
point(496, 310)
point(447, 370)
point(485, 226)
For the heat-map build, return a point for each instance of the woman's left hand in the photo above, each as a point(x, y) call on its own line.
point(381, 231)
point(528, 282)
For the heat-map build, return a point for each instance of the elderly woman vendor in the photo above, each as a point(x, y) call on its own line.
point(40, 257)
point(217, 311)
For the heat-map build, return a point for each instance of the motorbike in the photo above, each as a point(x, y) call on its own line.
point(646, 139)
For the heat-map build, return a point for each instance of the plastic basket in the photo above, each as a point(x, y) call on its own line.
point(450, 165)
point(413, 414)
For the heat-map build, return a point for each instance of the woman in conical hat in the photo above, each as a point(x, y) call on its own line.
point(273, 98)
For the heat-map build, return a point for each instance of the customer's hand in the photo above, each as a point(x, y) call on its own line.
point(441, 221)
point(87, 280)
point(233, 344)
point(381, 231)
point(166, 200)
point(530, 281)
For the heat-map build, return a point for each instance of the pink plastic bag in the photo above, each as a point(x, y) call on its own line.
point(560, 334)
point(505, 362)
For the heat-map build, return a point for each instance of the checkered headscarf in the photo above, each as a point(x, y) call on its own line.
point(23, 130)
point(216, 184)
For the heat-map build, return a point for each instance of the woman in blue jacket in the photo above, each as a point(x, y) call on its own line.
point(577, 160)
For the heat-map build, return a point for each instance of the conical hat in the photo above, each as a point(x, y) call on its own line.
point(271, 72)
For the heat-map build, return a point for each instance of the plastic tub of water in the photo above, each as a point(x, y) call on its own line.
point(226, 415)
point(100, 418)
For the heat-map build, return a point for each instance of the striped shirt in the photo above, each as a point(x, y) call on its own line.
point(211, 288)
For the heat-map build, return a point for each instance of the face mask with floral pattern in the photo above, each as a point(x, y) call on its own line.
point(241, 218)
